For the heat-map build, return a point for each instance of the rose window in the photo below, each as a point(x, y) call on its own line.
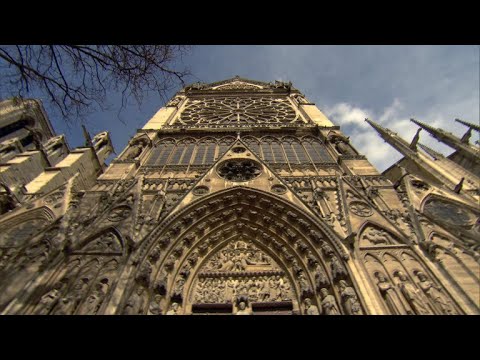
point(238, 111)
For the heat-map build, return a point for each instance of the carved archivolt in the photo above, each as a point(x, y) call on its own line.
point(242, 246)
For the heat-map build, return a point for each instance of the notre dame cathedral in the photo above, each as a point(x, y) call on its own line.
point(237, 197)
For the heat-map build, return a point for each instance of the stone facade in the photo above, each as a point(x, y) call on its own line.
point(238, 197)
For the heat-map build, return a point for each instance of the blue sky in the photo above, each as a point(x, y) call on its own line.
point(388, 84)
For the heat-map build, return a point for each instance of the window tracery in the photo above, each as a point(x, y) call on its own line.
point(238, 111)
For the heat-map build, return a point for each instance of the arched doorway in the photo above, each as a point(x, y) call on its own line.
point(241, 245)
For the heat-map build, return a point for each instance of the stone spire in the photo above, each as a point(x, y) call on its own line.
point(451, 140)
point(470, 125)
point(394, 140)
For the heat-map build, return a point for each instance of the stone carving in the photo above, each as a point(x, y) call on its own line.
point(155, 308)
point(329, 304)
point(54, 198)
point(49, 300)
point(310, 309)
point(278, 189)
point(361, 208)
point(242, 310)
point(238, 257)
point(255, 288)
point(349, 298)
point(321, 279)
point(94, 300)
point(239, 170)
point(65, 306)
point(434, 293)
point(120, 213)
point(134, 151)
point(389, 295)
point(412, 295)
point(174, 309)
point(174, 102)
point(105, 243)
point(342, 144)
point(134, 304)
point(200, 190)
point(338, 270)
point(375, 236)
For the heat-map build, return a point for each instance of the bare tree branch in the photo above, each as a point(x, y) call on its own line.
point(77, 78)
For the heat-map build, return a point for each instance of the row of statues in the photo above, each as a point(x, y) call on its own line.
point(404, 297)
point(254, 288)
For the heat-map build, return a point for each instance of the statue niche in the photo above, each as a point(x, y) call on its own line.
point(135, 149)
point(342, 145)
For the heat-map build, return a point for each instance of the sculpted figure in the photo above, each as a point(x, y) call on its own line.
point(65, 306)
point(155, 308)
point(135, 303)
point(349, 297)
point(304, 286)
point(329, 305)
point(376, 237)
point(93, 302)
point(436, 296)
point(338, 270)
point(134, 151)
point(389, 295)
point(242, 309)
point(321, 279)
point(264, 290)
point(285, 290)
point(342, 145)
point(310, 309)
point(48, 301)
point(413, 296)
point(173, 309)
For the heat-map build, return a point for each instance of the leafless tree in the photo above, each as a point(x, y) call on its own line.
point(77, 78)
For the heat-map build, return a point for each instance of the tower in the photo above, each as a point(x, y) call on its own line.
point(237, 197)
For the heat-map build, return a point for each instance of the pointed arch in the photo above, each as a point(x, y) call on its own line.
point(371, 234)
point(296, 240)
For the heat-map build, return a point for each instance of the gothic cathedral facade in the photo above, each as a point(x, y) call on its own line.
point(237, 197)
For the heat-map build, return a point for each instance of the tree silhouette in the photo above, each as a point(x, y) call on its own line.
point(77, 78)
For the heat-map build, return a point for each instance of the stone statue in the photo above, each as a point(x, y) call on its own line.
point(242, 310)
point(436, 296)
point(65, 306)
point(349, 297)
point(338, 270)
point(342, 145)
point(155, 308)
point(173, 309)
point(134, 151)
point(310, 309)
point(413, 296)
point(321, 279)
point(48, 300)
point(329, 305)
point(389, 295)
point(135, 303)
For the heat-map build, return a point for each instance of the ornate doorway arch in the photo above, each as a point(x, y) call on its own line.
point(249, 235)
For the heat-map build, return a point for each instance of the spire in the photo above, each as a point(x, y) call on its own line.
point(413, 144)
point(88, 138)
point(450, 140)
point(393, 139)
point(470, 125)
point(434, 154)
